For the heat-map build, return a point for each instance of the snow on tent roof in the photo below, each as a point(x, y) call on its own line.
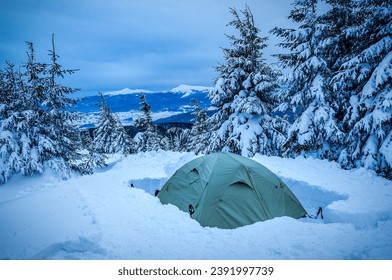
point(229, 191)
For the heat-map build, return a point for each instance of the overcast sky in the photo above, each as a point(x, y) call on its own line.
point(149, 44)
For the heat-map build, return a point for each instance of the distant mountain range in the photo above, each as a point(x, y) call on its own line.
point(166, 106)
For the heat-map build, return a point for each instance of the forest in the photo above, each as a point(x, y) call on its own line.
point(334, 102)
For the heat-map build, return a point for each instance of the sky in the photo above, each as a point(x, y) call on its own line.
point(149, 44)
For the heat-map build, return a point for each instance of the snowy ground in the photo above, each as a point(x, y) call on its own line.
point(101, 217)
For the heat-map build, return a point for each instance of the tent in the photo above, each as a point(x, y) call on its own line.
point(227, 191)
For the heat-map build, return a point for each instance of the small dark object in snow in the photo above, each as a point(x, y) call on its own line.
point(191, 210)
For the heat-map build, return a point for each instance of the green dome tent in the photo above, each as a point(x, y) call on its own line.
point(225, 190)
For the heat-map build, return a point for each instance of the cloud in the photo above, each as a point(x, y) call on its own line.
point(130, 43)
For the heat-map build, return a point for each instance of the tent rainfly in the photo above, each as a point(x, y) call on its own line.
point(227, 191)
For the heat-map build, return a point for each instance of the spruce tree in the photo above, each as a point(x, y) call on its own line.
point(10, 160)
point(148, 138)
point(243, 93)
point(177, 139)
point(37, 147)
point(337, 48)
point(110, 135)
point(93, 158)
point(366, 75)
point(42, 133)
point(306, 92)
point(144, 123)
point(198, 137)
point(58, 123)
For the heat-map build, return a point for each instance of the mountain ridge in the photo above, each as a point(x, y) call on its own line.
point(126, 104)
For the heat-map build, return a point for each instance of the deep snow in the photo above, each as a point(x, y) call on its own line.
point(100, 216)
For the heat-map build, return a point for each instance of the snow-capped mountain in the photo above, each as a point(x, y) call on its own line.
point(190, 90)
point(126, 91)
point(175, 104)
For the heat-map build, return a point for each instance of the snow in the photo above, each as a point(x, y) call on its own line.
point(185, 89)
point(386, 148)
point(188, 90)
point(100, 216)
point(126, 91)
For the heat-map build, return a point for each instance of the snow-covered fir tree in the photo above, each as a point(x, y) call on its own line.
point(93, 158)
point(50, 135)
point(110, 135)
point(35, 145)
point(144, 123)
point(59, 124)
point(177, 139)
point(336, 48)
point(335, 45)
point(306, 90)
point(366, 75)
point(243, 94)
point(148, 138)
point(198, 136)
point(10, 160)
point(37, 131)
